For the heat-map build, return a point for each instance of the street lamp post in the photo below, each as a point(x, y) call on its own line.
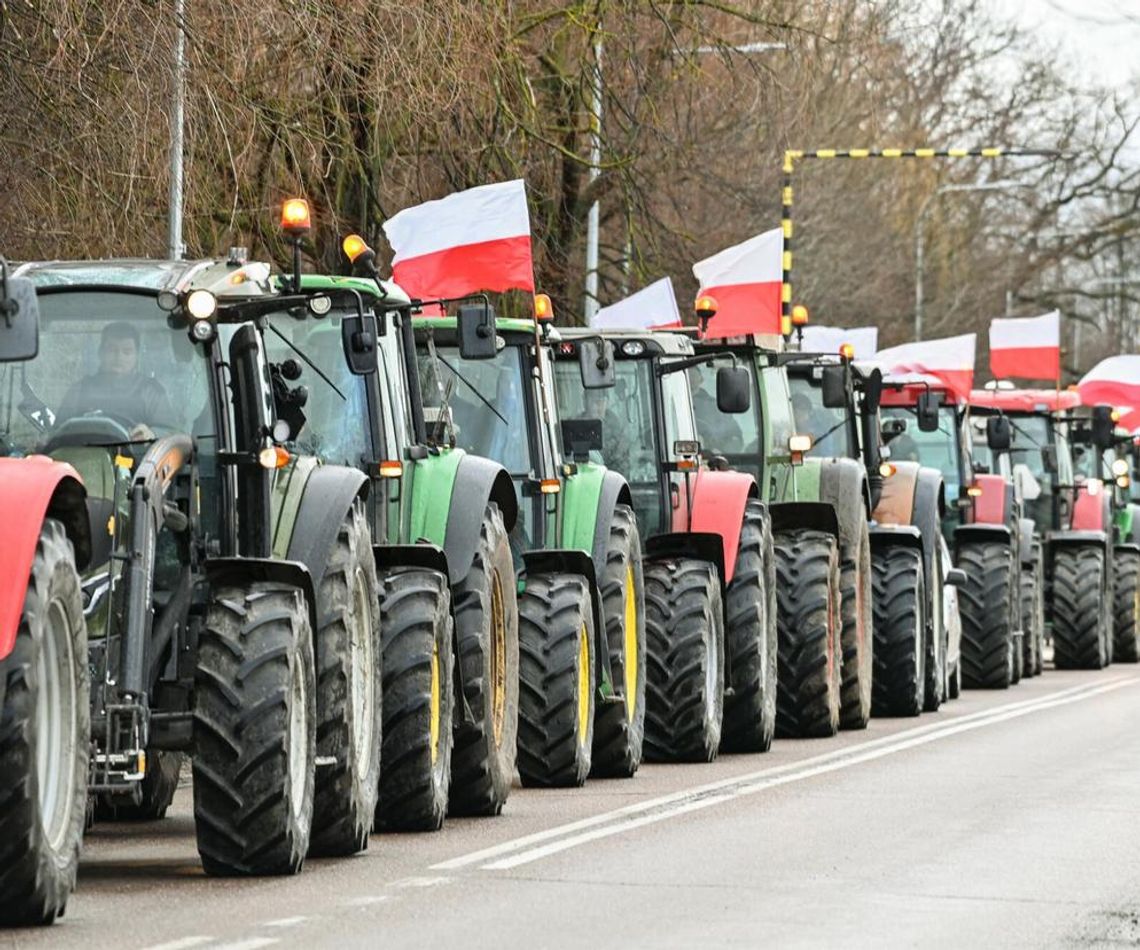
point(174, 246)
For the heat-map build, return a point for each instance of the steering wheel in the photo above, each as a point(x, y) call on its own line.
point(93, 429)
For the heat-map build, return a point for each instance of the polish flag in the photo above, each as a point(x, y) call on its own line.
point(821, 339)
point(651, 308)
point(1115, 382)
point(745, 280)
point(950, 360)
point(1026, 348)
point(473, 240)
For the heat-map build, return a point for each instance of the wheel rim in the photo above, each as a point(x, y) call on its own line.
point(629, 654)
point(830, 635)
point(435, 703)
point(55, 724)
point(498, 659)
point(363, 685)
point(712, 669)
point(583, 685)
point(298, 739)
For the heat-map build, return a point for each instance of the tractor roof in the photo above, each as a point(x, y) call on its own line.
point(365, 286)
point(658, 342)
point(903, 389)
point(502, 324)
point(1025, 400)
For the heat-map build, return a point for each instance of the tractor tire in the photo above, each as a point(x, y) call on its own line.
point(900, 631)
point(619, 728)
point(987, 603)
point(163, 769)
point(935, 685)
point(857, 611)
point(556, 681)
point(954, 688)
point(487, 634)
point(419, 700)
point(1079, 585)
point(349, 693)
point(1033, 615)
point(810, 627)
point(751, 639)
point(43, 763)
point(684, 623)
point(255, 732)
point(1126, 615)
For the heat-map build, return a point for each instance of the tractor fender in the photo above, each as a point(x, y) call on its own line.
point(971, 533)
point(703, 546)
point(241, 571)
point(994, 503)
point(885, 536)
point(327, 495)
point(1127, 546)
point(588, 500)
point(477, 481)
point(1057, 539)
point(424, 555)
point(1091, 511)
point(32, 489)
point(615, 491)
point(816, 515)
point(719, 500)
point(1027, 529)
point(896, 501)
point(929, 507)
point(843, 485)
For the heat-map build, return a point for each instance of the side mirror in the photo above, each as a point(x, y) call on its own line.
point(999, 434)
point(1102, 427)
point(956, 577)
point(358, 339)
point(596, 361)
point(19, 320)
point(873, 391)
point(581, 436)
point(477, 332)
point(927, 411)
point(1049, 458)
point(733, 389)
point(892, 429)
point(834, 385)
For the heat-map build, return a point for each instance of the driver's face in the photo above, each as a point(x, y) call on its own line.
point(118, 357)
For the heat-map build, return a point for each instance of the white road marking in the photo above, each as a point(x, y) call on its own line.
point(252, 943)
point(421, 881)
point(367, 901)
point(183, 943)
point(638, 808)
point(751, 786)
point(285, 922)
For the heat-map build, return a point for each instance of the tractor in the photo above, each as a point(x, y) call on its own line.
point(916, 651)
point(489, 388)
point(230, 592)
point(709, 567)
point(44, 685)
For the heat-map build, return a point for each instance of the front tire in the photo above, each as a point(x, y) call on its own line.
point(1033, 614)
point(45, 730)
point(1079, 586)
point(855, 591)
point(1126, 615)
point(986, 607)
point(900, 631)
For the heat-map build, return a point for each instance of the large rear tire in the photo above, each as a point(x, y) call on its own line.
point(556, 681)
point(1032, 614)
point(900, 631)
point(684, 623)
point(1126, 615)
point(751, 639)
point(487, 633)
point(808, 614)
point(349, 693)
point(858, 642)
point(419, 700)
point(45, 730)
point(987, 604)
point(254, 731)
point(1079, 609)
point(936, 683)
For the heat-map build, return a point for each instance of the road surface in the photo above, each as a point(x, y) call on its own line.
point(1008, 819)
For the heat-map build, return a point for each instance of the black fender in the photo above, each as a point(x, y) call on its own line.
point(817, 515)
point(702, 545)
point(929, 508)
point(328, 495)
point(569, 561)
point(843, 485)
point(477, 481)
point(1027, 529)
point(423, 555)
point(968, 533)
point(240, 571)
point(1056, 539)
point(1126, 547)
point(889, 535)
point(615, 491)
point(69, 505)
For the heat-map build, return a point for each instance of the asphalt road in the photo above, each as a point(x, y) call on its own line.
point(1007, 819)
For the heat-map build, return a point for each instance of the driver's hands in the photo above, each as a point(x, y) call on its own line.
point(141, 433)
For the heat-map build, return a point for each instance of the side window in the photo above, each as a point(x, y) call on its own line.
point(555, 439)
point(728, 434)
point(1064, 458)
point(778, 406)
point(679, 425)
point(395, 410)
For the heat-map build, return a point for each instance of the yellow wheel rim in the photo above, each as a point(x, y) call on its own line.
point(583, 685)
point(435, 703)
point(629, 657)
point(498, 659)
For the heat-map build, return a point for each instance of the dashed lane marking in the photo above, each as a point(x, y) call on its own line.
point(421, 882)
point(183, 943)
point(285, 922)
point(252, 943)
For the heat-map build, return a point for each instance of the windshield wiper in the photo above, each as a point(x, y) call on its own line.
point(316, 369)
point(463, 379)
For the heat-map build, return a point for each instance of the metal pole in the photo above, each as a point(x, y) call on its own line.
point(919, 254)
point(174, 246)
point(590, 303)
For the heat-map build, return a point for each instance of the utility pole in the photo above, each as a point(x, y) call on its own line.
point(590, 303)
point(174, 245)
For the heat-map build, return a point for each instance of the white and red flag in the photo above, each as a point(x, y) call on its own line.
point(950, 359)
point(1026, 347)
point(1116, 382)
point(478, 239)
point(821, 339)
point(651, 308)
point(745, 280)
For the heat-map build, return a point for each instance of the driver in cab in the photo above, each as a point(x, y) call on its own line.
point(117, 389)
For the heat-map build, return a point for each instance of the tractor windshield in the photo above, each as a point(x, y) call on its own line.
point(736, 436)
point(939, 449)
point(828, 428)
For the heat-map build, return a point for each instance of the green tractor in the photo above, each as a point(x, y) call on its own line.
point(710, 582)
point(488, 387)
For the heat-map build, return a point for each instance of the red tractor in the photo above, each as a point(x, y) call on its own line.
point(44, 687)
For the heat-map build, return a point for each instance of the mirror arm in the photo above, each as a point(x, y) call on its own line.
point(663, 369)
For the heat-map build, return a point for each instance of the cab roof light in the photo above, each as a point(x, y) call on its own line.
point(355, 247)
point(847, 351)
point(705, 307)
point(800, 315)
point(543, 308)
point(296, 219)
